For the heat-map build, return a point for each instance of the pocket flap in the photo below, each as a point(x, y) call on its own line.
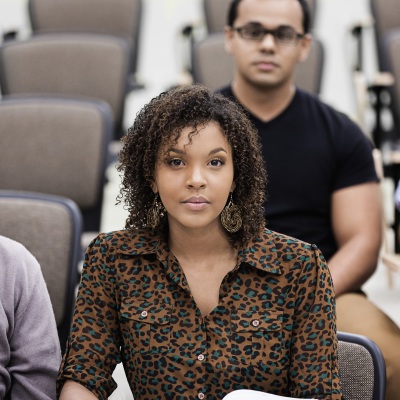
point(146, 312)
point(248, 321)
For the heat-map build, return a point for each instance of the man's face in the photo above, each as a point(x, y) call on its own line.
point(268, 62)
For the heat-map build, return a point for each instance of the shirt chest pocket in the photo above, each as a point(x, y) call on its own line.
point(146, 325)
point(257, 337)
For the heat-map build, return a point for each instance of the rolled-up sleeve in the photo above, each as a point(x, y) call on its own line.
point(93, 347)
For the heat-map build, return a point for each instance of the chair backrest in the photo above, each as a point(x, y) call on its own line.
point(361, 368)
point(387, 17)
point(56, 146)
point(215, 13)
point(214, 67)
point(118, 17)
point(87, 65)
point(50, 228)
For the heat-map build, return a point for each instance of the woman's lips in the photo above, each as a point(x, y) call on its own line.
point(196, 203)
point(195, 206)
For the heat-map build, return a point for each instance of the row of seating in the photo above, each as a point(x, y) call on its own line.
point(119, 18)
point(63, 95)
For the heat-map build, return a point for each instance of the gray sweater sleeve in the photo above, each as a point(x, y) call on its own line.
point(30, 351)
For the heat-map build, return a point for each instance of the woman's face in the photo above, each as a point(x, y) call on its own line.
point(194, 180)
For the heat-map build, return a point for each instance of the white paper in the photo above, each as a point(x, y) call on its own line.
point(245, 394)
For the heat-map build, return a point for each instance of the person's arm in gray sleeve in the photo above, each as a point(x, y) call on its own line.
point(33, 345)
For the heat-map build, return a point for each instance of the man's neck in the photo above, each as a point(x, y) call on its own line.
point(265, 103)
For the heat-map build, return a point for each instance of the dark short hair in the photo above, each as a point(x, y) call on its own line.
point(232, 14)
point(161, 122)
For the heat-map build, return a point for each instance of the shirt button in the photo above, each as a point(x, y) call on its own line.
point(200, 357)
point(256, 322)
point(201, 396)
point(143, 314)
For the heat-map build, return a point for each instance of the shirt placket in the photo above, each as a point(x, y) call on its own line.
point(201, 356)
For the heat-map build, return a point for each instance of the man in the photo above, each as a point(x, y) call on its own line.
point(29, 345)
point(322, 185)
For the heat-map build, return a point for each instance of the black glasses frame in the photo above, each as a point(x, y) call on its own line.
point(274, 32)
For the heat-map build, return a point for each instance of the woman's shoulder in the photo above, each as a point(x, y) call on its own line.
point(132, 241)
point(281, 241)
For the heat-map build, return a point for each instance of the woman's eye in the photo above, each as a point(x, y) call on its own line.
point(216, 163)
point(175, 162)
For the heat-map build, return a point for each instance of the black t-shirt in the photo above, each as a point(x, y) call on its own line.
point(310, 151)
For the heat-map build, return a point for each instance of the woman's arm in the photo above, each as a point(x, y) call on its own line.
point(74, 390)
point(314, 365)
point(95, 339)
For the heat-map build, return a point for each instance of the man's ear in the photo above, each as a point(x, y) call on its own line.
point(305, 44)
point(228, 39)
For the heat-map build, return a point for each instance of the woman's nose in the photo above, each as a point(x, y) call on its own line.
point(196, 178)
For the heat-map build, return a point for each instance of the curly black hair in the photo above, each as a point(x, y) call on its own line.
point(161, 122)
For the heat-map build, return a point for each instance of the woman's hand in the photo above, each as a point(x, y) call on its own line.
point(74, 390)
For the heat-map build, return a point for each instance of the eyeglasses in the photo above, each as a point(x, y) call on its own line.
point(283, 35)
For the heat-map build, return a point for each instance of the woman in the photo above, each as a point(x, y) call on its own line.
point(195, 297)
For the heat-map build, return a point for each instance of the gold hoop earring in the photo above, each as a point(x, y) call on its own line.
point(155, 212)
point(231, 217)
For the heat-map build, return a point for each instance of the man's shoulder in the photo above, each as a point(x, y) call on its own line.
point(316, 107)
point(226, 91)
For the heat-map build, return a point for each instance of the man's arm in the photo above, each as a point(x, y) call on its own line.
point(357, 225)
point(35, 348)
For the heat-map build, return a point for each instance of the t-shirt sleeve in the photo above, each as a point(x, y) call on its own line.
point(93, 346)
point(355, 159)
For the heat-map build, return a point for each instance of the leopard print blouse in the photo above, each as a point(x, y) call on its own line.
point(273, 329)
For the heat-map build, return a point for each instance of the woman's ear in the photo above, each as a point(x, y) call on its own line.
point(154, 186)
point(233, 187)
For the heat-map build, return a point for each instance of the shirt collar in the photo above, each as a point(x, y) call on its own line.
point(144, 241)
point(260, 252)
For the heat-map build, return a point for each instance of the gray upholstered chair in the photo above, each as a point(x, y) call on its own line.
point(118, 17)
point(386, 17)
point(56, 146)
point(361, 368)
point(391, 63)
point(213, 66)
point(50, 228)
point(90, 66)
